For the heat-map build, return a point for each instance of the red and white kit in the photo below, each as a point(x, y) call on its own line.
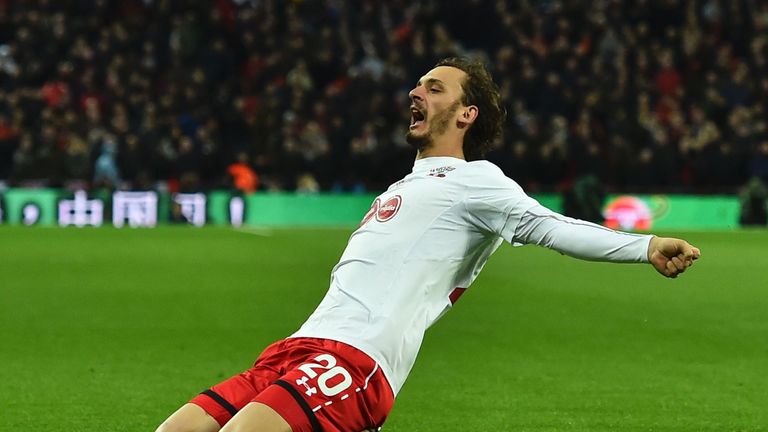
point(419, 247)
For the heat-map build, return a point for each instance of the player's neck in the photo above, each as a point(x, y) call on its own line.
point(443, 148)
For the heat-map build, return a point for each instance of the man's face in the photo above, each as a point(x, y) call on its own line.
point(434, 103)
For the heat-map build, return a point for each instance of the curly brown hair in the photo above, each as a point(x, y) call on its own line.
point(479, 90)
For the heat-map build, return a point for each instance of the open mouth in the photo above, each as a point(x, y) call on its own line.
point(417, 117)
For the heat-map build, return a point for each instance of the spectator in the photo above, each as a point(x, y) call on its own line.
point(244, 178)
point(105, 172)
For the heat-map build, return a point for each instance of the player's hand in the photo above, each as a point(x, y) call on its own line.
point(671, 256)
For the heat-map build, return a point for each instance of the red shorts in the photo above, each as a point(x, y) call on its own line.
point(314, 384)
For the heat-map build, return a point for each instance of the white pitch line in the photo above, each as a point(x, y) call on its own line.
point(261, 232)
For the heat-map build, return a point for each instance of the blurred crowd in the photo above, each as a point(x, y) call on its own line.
point(313, 95)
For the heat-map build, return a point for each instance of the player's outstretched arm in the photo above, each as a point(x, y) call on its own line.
point(671, 256)
point(585, 240)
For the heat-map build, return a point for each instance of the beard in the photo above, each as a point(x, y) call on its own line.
point(436, 127)
point(419, 142)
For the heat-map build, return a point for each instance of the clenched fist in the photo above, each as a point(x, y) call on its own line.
point(671, 256)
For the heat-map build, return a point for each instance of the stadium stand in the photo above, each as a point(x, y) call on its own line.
point(312, 95)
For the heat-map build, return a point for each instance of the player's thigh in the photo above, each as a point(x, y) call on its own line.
point(257, 417)
point(189, 418)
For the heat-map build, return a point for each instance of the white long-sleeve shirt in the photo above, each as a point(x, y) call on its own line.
point(425, 240)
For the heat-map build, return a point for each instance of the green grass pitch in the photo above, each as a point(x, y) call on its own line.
point(112, 330)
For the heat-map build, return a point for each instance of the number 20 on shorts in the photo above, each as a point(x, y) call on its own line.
point(331, 379)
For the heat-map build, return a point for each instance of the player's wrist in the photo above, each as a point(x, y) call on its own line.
point(652, 246)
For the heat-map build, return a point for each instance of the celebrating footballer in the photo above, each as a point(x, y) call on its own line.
point(417, 250)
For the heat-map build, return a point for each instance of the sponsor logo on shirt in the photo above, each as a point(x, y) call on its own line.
point(441, 171)
point(383, 212)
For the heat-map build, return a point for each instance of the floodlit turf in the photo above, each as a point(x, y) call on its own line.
point(111, 330)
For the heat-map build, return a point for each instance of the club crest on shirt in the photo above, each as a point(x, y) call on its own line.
point(441, 171)
point(383, 212)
